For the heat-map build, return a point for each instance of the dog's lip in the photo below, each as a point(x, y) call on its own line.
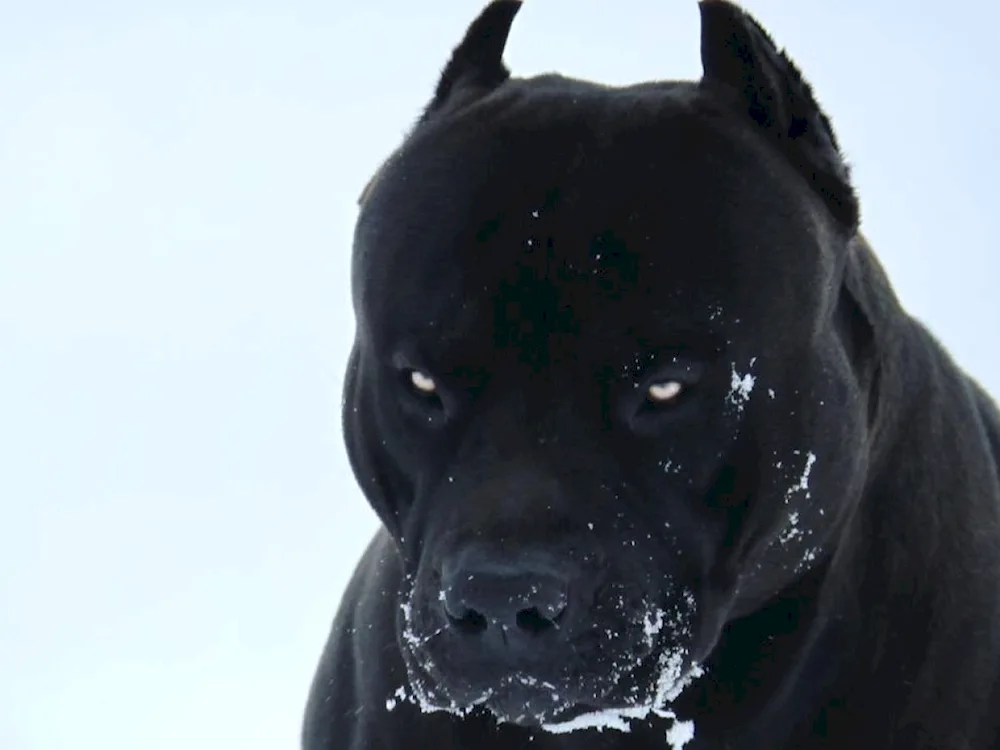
point(600, 714)
point(510, 705)
point(530, 701)
point(644, 669)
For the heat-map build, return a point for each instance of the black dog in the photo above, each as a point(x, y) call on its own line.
point(660, 458)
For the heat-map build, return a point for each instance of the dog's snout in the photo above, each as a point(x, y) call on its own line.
point(518, 599)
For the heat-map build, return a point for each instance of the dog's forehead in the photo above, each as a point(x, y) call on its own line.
point(616, 205)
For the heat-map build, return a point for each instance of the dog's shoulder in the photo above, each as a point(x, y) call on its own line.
point(929, 524)
point(360, 664)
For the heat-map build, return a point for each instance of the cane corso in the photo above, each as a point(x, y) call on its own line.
point(659, 457)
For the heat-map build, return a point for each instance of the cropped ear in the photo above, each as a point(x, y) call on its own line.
point(476, 65)
point(738, 54)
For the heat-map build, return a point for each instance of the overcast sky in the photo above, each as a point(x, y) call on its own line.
point(177, 185)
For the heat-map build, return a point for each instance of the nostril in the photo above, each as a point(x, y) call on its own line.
point(500, 599)
point(532, 621)
point(469, 621)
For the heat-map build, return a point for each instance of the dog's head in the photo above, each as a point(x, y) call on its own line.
point(605, 388)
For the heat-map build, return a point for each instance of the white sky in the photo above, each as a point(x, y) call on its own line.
point(177, 185)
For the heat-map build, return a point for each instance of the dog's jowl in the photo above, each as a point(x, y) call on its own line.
point(659, 457)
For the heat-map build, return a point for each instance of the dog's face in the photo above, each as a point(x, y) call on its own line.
point(603, 392)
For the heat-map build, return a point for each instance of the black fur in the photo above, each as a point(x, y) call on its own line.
point(816, 518)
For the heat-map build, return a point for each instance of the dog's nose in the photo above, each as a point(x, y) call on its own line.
point(516, 599)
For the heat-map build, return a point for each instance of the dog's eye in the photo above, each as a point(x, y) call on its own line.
point(666, 397)
point(423, 391)
point(422, 382)
point(664, 392)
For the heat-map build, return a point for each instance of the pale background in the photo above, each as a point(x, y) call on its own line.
point(177, 185)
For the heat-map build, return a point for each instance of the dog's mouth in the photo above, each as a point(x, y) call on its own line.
point(637, 682)
point(674, 673)
point(664, 677)
point(525, 700)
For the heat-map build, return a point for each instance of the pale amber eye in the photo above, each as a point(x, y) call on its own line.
point(665, 392)
point(422, 382)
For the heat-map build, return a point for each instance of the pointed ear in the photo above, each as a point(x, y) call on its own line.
point(738, 54)
point(476, 65)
